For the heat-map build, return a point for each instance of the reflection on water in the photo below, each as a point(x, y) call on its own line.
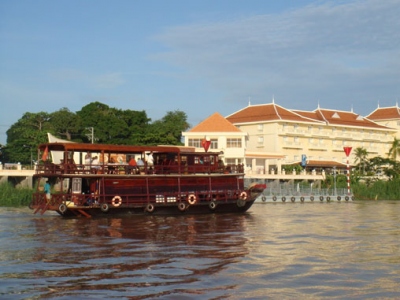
point(283, 250)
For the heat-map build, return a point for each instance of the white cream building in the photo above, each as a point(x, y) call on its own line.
point(267, 136)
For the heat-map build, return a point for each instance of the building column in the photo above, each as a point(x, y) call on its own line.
point(266, 166)
point(279, 165)
point(253, 165)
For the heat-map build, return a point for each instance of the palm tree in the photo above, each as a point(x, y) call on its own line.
point(361, 157)
point(395, 150)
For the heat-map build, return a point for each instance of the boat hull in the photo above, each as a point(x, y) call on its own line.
point(171, 209)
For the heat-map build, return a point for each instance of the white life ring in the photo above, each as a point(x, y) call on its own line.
point(192, 199)
point(116, 201)
point(243, 195)
point(150, 208)
point(104, 207)
point(212, 205)
point(182, 206)
point(62, 208)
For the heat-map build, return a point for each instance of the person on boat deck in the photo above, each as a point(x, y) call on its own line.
point(132, 164)
point(95, 163)
point(150, 159)
point(140, 162)
point(47, 190)
point(91, 200)
point(88, 158)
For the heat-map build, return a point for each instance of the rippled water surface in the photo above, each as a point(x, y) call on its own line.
point(275, 251)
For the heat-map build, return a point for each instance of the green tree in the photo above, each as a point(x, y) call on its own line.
point(169, 129)
point(395, 149)
point(66, 124)
point(361, 157)
point(25, 135)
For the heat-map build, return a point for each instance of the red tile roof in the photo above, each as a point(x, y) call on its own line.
point(341, 118)
point(272, 112)
point(265, 113)
point(385, 113)
point(215, 123)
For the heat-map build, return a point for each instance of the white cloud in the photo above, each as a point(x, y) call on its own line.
point(321, 51)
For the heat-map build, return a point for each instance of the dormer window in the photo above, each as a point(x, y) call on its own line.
point(335, 116)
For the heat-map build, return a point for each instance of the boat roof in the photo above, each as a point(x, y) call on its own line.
point(85, 147)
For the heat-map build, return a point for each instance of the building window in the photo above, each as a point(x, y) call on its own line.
point(214, 144)
point(260, 127)
point(195, 143)
point(234, 143)
point(260, 140)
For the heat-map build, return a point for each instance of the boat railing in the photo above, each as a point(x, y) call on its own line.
point(49, 168)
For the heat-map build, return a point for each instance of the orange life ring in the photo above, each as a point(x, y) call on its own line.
point(116, 201)
point(192, 199)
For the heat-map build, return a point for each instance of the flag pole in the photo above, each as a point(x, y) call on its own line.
point(347, 151)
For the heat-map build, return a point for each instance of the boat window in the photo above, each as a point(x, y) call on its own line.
point(76, 185)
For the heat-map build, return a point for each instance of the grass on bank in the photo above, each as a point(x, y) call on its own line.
point(377, 190)
point(14, 197)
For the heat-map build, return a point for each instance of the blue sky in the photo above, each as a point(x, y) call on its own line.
point(197, 56)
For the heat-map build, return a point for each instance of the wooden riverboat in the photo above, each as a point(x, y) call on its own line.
point(179, 181)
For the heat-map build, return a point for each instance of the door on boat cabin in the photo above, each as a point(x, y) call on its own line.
point(76, 189)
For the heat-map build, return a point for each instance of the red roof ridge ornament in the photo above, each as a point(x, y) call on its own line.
point(206, 143)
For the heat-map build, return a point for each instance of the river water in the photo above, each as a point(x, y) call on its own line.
point(336, 250)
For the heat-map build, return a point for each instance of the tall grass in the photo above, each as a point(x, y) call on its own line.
point(14, 197)
point(379, 190)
